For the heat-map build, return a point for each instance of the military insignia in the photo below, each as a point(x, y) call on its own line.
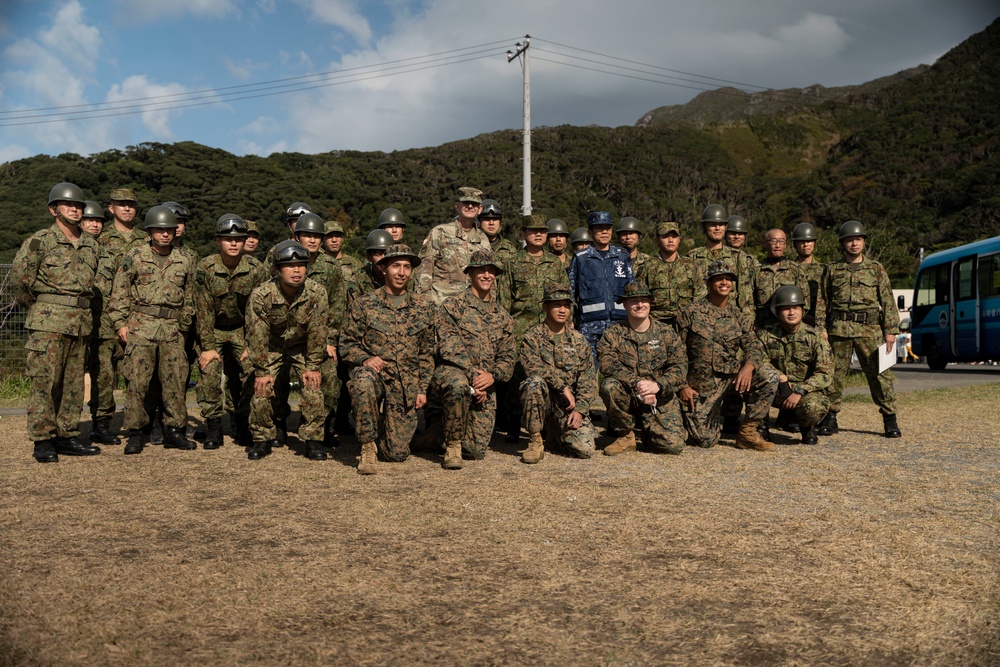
point(654, 344)
point(619, 269)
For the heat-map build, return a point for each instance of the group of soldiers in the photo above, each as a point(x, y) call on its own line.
point(676, 347)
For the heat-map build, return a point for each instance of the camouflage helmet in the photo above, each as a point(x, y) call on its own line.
point(378, 239)
point(629, 224)
point(91, 209)
point(713, 213)
point(581, 235)
point(557, 227)
point(804, 232)
point(66, 192)
point(179, 210)
point(160, 217)
point(295, 210)
point(736, 224)
point(310, 223)
point(483, 258)
point(718, 268)
point(787, 295)
point(852, 228)
point(230, 224)
point(491, 209)
point(289, 252)
point(391, 217)
point(398, 251)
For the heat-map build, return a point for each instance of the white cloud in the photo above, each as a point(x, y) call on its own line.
point(244, 69)
point(144, 11)
point(70, 37)
point(155, 119)
point(13, 152)
point(341, 14)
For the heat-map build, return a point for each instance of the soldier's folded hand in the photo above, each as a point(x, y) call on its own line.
point(262, 386)
point(311, 379)
point(688, 396)
point(744, 378)
point(374, 363)
point(331, 352)
point(482, 381)
point(421, 401)
point(574, 420)
point(207, 357)
point(123, 335)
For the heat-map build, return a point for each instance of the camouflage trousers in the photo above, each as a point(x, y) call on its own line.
point(540, 408)
point(55, 368)
point(663, 430)
point(593, 331)
point(165, 361)
point(704, 425)
point(103, 360)
point(331, 385)
point(381, 413)
point(211, 392)
point(451, 409)
point(879, 384)
point(811, 408)
point(264, 409)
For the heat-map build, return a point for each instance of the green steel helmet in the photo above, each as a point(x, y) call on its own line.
point(852, 228)
point(378, 239)
point(805, 232)
point(391, 217)
point(629, 224)
point(491, 209)
point(311, 223)
point(737, 224)
point(557, 227)
point(289, 252)
point(160, 217)
point(231, 224)
point(787, 295)
point(296, 209)
point(66, 192)
point(581, 235)
point(180, 210)
point(713, 213)
point(91, 209)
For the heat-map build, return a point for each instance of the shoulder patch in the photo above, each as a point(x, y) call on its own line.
point(34, 244)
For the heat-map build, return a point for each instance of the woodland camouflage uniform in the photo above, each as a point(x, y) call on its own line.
point(806, 359)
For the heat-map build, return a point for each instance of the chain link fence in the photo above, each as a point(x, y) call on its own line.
point(13, 335)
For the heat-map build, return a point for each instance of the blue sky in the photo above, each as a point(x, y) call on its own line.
point(62, 56)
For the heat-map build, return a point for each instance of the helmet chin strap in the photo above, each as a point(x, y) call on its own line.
point(62, 218)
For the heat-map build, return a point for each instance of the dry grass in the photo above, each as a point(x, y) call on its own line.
point(861, 551)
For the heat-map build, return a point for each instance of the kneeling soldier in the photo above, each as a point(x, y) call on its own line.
point(643, 364)
point(561, 384)
point(803, 360)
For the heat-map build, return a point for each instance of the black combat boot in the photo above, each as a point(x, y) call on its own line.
point(175, 438)
point(137, 439)
point(891, 427)
point(786, 421)
point(242, 428)
point(45, 452)
point(765, 431)
point(829, 425)
point(260, 449)
point(213, 433)
point(330, 432)
point(71, 447)
point(314, 450)
point(809, 435)
point(282, 429)
point(100, 432)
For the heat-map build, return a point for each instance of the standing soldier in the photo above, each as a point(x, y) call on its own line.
point(803, 361)
point(491, 222)
point(287, 334)
point(804, 238)
point(714, 223)
point(736, 237)
point(333, 246)
point(394, 222)
point(856, 311)
point(475, 352)
point(191, 348)
point(643, 364)
point(292, 213)
point(775, 271)
point(222, 287)
point(370, 277)
point(107, 350)
point(53, 275)
point(389, 341)
point(93, 218)
point(253, 239)
point(558, 241)
point(580, 240)
point(673, 281)
point(629, 233)
point(151, 308)
point(722, 352)
point(448, 248)
point(561, 385)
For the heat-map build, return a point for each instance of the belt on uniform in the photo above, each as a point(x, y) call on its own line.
point(159, 311)
point(859, 316)
point(73, 301)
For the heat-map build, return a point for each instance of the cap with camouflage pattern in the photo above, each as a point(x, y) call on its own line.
point(399, 251)
point(332, 227)
point(535, 222)
point(664, 228)
point(123, 194)
point(470, 194)
point(599, 218)
point(633, 290)
point(557, 292)
point(483, 258)
point(252, 227)
point(719, 267)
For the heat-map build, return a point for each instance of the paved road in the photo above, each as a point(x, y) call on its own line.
point(917, 377)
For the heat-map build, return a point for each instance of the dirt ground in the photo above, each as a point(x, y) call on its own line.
point(858, 551)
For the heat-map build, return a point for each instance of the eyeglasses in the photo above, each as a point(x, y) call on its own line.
point(777, 242)
point(470, 204)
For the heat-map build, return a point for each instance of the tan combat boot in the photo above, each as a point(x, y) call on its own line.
point(749, 438)
point(625, 443)
point(369, 456)
point(453, 456)
point(535, 451)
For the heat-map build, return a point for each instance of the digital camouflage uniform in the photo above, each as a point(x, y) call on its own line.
point(503, 249)
point(286, 338)
point(672, 285)
point(639, 259)
point(806, 359)
point(365, 281)
point(54, 278)
point(327, 272)
point(857, 310)
point(551, 363)
point(154, 297)
point(814, 276)
point(625, 357)
point(403, 336)
point(718, 342)
point(770, 276)
point(349, 265)
point(221, 298)
point(444, 255)
point(742, 296)
point(471, 334)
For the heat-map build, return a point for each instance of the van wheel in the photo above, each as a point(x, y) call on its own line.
point(934, 359)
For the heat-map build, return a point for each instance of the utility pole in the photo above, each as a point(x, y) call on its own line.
point(526, 188)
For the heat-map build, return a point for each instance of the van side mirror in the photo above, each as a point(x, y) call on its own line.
point(901, 302)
